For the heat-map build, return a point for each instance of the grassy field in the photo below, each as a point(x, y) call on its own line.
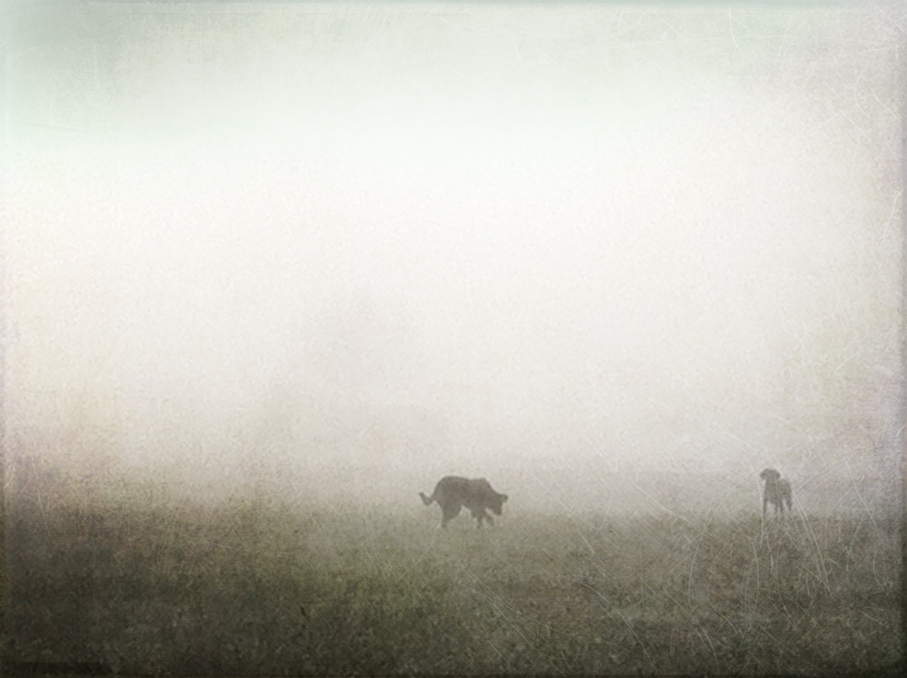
point(270, 591)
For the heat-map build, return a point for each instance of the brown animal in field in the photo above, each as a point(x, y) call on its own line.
point(777, 491)
point(453, 492)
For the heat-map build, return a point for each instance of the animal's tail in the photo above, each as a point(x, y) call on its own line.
point(426, 500)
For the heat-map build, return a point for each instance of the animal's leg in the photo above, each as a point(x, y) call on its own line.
point(450, 512)
point(480, 515)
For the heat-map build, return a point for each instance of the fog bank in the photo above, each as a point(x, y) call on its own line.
point(609, 258)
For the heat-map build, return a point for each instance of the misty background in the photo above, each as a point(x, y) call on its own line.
point(610, 258)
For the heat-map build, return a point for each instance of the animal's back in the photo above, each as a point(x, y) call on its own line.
point(451, 486)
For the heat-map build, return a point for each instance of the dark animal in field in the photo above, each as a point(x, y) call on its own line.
point(453, 492)
point(777, 491)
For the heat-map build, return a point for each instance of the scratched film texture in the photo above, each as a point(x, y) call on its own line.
point(271, 270)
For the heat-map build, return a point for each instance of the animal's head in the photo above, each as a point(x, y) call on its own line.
point(769, 475)
point(496, 503)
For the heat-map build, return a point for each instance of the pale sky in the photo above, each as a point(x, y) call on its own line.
point(456, 237)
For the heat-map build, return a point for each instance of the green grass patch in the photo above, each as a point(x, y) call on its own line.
point(267, 591)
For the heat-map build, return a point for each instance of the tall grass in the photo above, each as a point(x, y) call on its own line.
point(263, 589)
